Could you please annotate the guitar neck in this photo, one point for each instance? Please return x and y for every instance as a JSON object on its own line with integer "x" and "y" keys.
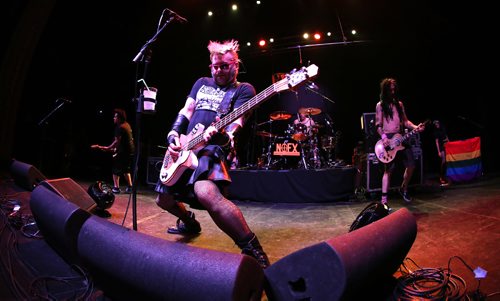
{"x": 237, "y": 113}
{"x": 246, "y": 107}
{"x": 409, "y": 135}
{"x": 413, "y": 132}
{"x": 291, "y": 80}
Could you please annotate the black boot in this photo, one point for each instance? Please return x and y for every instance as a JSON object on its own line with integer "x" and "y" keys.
{"x": 189, "y": 226}
{"x": 253, "y": 248}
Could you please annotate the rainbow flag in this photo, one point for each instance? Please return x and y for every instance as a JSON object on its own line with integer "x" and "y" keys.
{"x": 463, "y": 159}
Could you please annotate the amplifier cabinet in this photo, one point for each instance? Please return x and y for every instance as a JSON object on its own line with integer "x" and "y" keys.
{"x": 374, "y": 170}
{"x": 153, "y": 170}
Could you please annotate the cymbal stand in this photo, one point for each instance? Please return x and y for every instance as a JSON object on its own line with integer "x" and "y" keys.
{"x": 269, "y": 156}
{"x": 303, "y": 156}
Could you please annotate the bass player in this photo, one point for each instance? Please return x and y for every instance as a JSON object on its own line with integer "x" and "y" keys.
{"x": 203, "y": 185}
{"x": 391, "y": 119}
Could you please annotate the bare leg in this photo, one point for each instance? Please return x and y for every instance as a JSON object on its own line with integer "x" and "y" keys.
{"x": 167, "y": 202}
{"x": 128, "y": 179}
{"x": 386, "y": 180}
{"x": 407, "y": 177}
{"x": 116, "y": 181}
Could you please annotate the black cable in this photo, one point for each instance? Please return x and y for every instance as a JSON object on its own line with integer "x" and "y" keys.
{"x": 429, "y": 284}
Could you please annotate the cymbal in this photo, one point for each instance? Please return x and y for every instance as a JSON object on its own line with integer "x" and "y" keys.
{"x": 309, "y": 111}
{"x": 265, "y": 134}
{"x": 280, "y": 115}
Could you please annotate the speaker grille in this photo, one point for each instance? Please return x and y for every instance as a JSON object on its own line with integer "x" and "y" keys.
{"x": 71, "y": 191}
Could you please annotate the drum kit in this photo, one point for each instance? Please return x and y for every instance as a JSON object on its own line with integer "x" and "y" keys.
{"x": 300, "y": 146}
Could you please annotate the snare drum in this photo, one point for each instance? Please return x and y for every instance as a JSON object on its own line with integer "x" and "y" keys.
{"x": 299, "y": 132}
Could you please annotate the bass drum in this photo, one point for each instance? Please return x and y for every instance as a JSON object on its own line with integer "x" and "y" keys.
{"x": 286, "y": 153}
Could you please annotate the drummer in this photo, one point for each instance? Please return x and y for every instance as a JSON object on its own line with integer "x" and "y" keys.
{"x": 306, "y": 120}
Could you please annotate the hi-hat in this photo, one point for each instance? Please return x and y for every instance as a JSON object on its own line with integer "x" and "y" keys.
{"x": 280, "y": 115}
{"x": 309, "y": 111}
{"x": 265, "y": 134}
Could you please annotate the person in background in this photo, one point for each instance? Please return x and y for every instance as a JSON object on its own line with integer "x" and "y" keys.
{"x": 123, "y": 150}
{"x": 205, "y": 186}
{"x": 391, "y": 119}
{"x": 305, "y": 120}
{"x": 441, "y": 137}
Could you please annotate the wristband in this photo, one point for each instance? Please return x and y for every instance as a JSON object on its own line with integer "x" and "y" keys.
{"x": 171, "y": 139}
{"x": 180, "y": 124}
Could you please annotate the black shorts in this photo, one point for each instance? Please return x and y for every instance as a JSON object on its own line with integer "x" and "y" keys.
{"x": 211, "y": 166}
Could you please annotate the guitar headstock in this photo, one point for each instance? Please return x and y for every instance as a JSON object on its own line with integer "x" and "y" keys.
{"x": 296, "y": 78}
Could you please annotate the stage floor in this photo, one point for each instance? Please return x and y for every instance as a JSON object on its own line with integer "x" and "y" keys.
{"x": 459, "y": 220}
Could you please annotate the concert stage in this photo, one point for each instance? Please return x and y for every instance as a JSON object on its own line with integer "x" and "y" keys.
{"x": 294, "y": 185}
{"x": 455, "y": 223}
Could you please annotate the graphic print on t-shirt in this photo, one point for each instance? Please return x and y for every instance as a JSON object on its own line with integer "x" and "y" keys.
{"x": 209, "y": 98}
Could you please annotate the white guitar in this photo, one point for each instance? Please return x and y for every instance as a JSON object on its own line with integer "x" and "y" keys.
{"x": 386, "y": 154}
{"x": 172, "y": 170}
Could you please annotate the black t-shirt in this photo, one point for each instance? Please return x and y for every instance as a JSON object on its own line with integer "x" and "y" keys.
{"x": 209, "y": 95}
{"x": 126, "y": 141}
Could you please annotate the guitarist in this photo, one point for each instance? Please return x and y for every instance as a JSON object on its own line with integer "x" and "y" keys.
{"x": 391, "y": 119}
{"x": 123, "y": 150}
{"x": 203, "y": 187}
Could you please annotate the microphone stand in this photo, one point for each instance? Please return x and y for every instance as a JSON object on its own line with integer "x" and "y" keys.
{"x": 144, "y": 55}
{"x": 44, "y": 119}
{"x": 43, "y": 122}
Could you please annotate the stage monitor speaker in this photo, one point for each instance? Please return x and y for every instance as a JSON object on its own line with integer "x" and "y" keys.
{"x": 348, "y": 267}
{"x": 129, "y": 265}
{"x": 59, "y": 221}
{"x": 71, "y": 191}
{"x": 25, "y": 175}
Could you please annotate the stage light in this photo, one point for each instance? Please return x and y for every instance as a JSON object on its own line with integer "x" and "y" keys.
{"x": 258, "y": 2}
{"x": 262, "y": 43}
{"x": 305, "y": 36}
{"x": 317, "y": 36}
{"x": 234, "y": 7}
{"x": 249, "y": 44}
{"x": 271, "y": 40}
{"x": 329, "y": 34}
{"x": 353, "y": 32}
{"x": 210, "y": 13}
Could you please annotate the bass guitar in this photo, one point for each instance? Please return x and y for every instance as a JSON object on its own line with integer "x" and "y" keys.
{"x": 104, "y": 149}
{"x": 386, "y": 154}
{"x": 172, "y": 170}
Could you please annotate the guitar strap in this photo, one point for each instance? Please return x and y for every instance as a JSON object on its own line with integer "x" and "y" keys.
{"x": 227, "y": 102}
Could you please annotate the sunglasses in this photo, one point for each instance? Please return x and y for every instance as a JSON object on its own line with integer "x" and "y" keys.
{"x": 223, "y": 67}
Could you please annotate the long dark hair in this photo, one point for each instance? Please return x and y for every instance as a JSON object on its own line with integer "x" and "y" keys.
{"x": 122, "y": 116}
{"x": 387, "y": 97}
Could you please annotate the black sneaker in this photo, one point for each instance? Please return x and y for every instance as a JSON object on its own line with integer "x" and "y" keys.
{"x": 128, "y": 189}
{"x": 186, "y": 229}
{"x": 116, "y": 190}
{"x": 405, "y": 195}
{"x": 386, "y": 206}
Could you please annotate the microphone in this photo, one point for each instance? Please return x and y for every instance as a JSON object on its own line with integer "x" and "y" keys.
{"x": 177, "y": 16}
{"x": 65, "y": 100}
{"x": 312, "y": 86}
